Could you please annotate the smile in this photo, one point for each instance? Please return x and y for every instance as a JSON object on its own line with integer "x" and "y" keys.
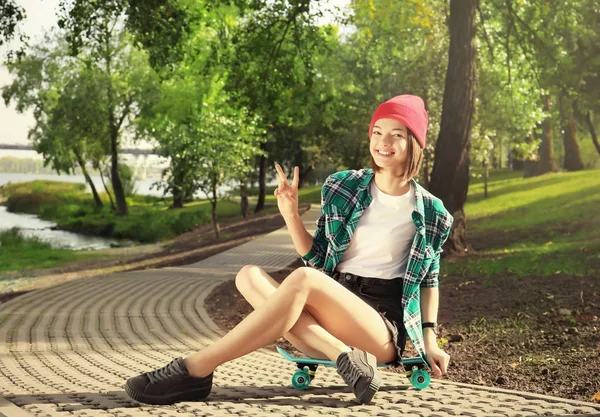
{"x": 385, "y": 153}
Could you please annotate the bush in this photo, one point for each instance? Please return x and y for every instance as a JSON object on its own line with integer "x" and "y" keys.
{"x": 31, "y": 203}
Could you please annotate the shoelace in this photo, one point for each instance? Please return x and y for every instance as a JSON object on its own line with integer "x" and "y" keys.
{"x": 171, "y": 369}
{"x": 349, "y": 371}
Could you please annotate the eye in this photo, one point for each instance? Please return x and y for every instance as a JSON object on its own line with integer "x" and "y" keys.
{"x": 377, "y": 132}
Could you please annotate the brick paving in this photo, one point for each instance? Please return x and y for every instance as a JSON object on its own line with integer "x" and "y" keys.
{"x": 67, "y": 351}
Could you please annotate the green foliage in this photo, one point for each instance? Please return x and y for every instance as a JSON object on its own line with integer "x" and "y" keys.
{"x": 11, "y": 14}
{"x": 159, "y": 26}
{"x": 20, "y": 253}
{"x": 150, "y": 220}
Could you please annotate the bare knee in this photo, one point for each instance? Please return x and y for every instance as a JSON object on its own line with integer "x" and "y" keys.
{"x": 244, "y": 280}
{"x": 301, "y": 280}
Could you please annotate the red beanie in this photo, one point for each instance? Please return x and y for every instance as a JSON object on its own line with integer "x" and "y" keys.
{"x": 407, "y": 109}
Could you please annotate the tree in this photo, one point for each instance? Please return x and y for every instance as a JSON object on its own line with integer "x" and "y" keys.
{"x": 560, "y": 41}
{"x": 208, "y": 142}
{"x": 208, "y": 138}
{"x": 450, "y": 176}
{"x": 159, "y": 26}
{"x": 64, "y": 97}
{"x": 273, "y": 61}
{"x": 124, "y": 70}
{"x": 11, "y": 14}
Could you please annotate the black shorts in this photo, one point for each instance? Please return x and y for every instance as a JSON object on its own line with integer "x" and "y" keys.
{"x": 385, "y": 296}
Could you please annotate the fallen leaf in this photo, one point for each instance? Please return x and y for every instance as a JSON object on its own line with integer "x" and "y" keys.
{"x": 596, "y": 398}
{"x": 549, "y": 243}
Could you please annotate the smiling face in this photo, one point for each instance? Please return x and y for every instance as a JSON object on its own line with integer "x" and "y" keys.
{"x": 395, "y": 149}
{"x": 389, "y": 143}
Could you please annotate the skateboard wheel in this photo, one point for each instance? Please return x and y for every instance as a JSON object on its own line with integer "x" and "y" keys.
{"x": 300, "y": 380}
{"x": 420, "y": 379}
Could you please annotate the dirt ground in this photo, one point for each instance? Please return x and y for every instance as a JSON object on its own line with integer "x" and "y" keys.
{"x": 511, "y": 333}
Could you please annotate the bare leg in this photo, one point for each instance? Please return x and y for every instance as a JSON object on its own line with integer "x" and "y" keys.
{"x": 307, "y": 335}
{"x": 340, "y": 312}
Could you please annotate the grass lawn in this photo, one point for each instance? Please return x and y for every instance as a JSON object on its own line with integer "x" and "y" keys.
{"x": 18, "y": 253}
{"x": 536, "y": 226}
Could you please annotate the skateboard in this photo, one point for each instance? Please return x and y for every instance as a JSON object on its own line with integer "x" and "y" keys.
{"x": 307, "y": 368}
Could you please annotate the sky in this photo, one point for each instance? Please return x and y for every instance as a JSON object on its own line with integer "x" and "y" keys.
{"x": 41, "y": 17}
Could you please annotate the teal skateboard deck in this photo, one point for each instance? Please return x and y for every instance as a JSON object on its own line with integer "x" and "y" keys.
{"x": 307, "y": 368}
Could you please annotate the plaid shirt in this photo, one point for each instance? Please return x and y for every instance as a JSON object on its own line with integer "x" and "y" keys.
{"x": 344, "y": 198}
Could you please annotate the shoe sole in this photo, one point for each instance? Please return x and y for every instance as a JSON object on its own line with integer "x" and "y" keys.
{"x": 375, "y": 383}
{"x": 195, "y": 395}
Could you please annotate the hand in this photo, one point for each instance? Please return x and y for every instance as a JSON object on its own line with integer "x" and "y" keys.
{"x": 438, "y": 359}
{"x": 286, "y": 193}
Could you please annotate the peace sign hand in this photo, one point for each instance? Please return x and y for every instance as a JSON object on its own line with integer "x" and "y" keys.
{"x": 286, "y": 193}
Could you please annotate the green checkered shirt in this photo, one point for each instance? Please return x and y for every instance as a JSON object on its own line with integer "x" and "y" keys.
{"x": 344, "y": 198}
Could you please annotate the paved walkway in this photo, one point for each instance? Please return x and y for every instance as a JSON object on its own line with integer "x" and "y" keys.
{"x": 67, "y": 350}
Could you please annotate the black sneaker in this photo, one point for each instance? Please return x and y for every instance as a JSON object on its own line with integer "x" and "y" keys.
{"x": 359, "y": 370}
{"x": 168, "y": 385}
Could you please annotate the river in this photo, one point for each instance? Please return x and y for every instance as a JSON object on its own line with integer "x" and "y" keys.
{"x": 31, "y": 225}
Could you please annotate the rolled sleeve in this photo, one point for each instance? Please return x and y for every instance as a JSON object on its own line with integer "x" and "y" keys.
{"x": 431, "y": 277}
{"x": 316, "y": 256}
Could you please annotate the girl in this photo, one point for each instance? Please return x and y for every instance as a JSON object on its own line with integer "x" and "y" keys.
{"x": 372, "y": 277}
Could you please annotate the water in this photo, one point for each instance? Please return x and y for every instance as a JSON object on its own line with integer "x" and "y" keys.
{"x": 31, "y": 226}
{"x": 142, "y": 187}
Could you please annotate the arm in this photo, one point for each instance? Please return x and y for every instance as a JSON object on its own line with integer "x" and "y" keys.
{"x": 430, "y": 300}
{"x": 312, "y": 249}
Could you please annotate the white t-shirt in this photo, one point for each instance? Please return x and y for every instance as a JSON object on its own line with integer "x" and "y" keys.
{"x": 381, "y": 243}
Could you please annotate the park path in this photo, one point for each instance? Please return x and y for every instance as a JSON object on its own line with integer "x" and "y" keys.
{"x": 67, "y": 351}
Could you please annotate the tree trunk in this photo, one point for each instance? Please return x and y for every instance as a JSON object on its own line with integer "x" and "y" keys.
{"x": 244, "y": 199}
{"x": 262, "y": 181}
{"x": 112, "y": 203}
{"x": 499, "y": 163}
{"x": 516, "y": 164}
{"x": 546, "y": 163}
{"x": 592, "y": 129}
{"x": 485, "y": 178}
{"x": 114, "y": 135}
{"x": 450, "y": 175}
{"x": 177, "y": 201}
{"x": 213, "y": 203}
{"x": 114, "y": 174}
{"x": 88, "y": 179}
{"x": 179, "y": 193}
{"x": 572, "y": 160}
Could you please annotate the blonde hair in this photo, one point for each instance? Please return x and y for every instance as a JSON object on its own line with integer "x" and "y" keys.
{"x": 414, "y": 158}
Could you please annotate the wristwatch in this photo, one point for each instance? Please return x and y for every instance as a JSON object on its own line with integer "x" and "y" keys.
{"x": 432, "y": 325}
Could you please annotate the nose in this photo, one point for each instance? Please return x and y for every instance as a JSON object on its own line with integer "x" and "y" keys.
{"x": 387, "y": 141}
